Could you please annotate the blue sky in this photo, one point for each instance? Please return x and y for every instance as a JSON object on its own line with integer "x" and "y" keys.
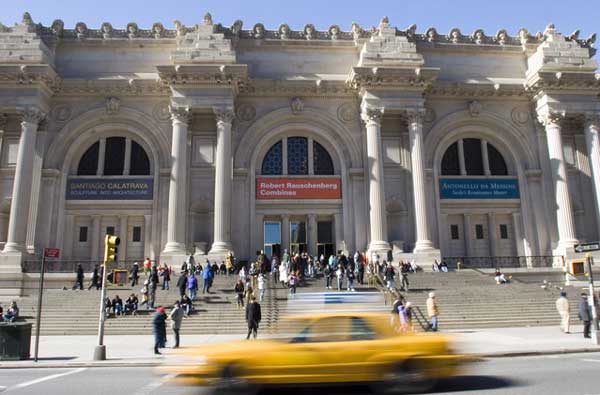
{"x": 443, "y": 15}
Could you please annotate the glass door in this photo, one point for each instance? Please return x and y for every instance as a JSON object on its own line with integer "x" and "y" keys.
{"x": 272, "y": 238}
{"x": 297, "y": 237}
{"x": 325, "y": 245}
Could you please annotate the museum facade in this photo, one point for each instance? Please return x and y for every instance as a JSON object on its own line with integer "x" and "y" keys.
{"x": 209, "y": 139}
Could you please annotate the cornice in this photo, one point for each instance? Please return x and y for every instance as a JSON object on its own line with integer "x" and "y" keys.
{"x": 564, "y": 81}
{"x": 119, "y": 87}
{"x": 305, "y": 88}
{"x": 204, "y": 75}
{"x": 374, "y": 78}
{"x": 470, "y": 90}
{"x": 29, "y": 74}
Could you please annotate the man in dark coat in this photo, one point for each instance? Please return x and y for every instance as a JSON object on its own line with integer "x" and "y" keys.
{"x": 182, "y": 283}
{"x": 135, "y": 274}
{"x": 159, "y": 329}
{"x": 95, "y": 279}
{"x": 253, "y": 317}
{"x": 79, "y": 278}
{"x": 585, "y": 315}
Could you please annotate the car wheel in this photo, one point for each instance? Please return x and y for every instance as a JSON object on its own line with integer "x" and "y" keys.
{"x": 408, "y": 377}
{"x": 231, "y": 384}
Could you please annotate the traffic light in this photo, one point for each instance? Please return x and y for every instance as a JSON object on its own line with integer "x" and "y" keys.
{"x": 110, "y": 248}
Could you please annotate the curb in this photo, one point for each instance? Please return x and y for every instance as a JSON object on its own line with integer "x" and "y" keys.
{"x": 150, "y": 364}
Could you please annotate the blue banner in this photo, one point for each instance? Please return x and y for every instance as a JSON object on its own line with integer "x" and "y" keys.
{"x": 110, "y": 189}
{"x": 478, "y": 188}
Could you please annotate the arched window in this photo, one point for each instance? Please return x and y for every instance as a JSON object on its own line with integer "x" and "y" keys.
{"x": 474, "y": 153}
{"x": 322, "y": 163}
{"x": 122, "y": 156}
{"x": 297, "y": 150}
{"x": 272, "y": 163}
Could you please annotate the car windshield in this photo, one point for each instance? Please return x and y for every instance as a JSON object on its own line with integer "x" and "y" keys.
{"x": 333, "y": 329}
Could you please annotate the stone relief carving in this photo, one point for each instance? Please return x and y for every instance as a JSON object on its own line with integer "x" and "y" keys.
{"x": 455, "y": 35}
{"x": 32, "y": 114}
{"x": 161, "y": 112}
{"x": 524, "y": 36}
{"x": 246, "y": 112}
{"x": 224, "y": 114}
{"x": 207, "y": 21}
{"x": 258, "y": 31}
{"x": 158, "y": 30}
{"x": 475, "y": 108}
{"x": 309, "y": 31}
{"x": 334, "y": 32}
{"x": 132, "y": 30}
{"x": 113, "y": 105}
{"x": 501, "y": 37}
{"x": 431, "y": 34}
{"x": 3, "y": 120}
{"x": 356, "y": 30}
{"x": 81, "y": 30}
{"x": 61, "y": 113}
{"x": 347, "y": 112}
{"x": 58, "y": 27}
{"x": 180, "y": 29}
{"x": 519, "y": 115}
{"x": 478, "y": 36}
{"x": 372, "y": 115}
{"x": 430, "y": 115}
{"x": 180, "y": 114}
{"x": 27, "y": 20}
{"x": 236, "y": 28}
{"x": 297, "y": 105}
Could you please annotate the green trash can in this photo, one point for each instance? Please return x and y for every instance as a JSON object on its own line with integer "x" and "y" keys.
{"x": 15, "y": 341}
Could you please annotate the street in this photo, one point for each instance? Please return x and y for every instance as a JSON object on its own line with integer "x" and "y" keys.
{"x": 558, "y": 374}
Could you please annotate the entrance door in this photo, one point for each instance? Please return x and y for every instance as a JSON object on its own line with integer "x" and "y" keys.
{"x": 325, "y": 245}
{"x": 297, "y": 237}
{"x": 325, "y": 249}
{"x": 272, "y": 239}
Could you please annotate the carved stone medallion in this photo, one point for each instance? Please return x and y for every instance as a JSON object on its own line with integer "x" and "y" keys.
{"x": 347, "y": 112}
{"x": 62, "y": 113}
{"x": 246, "y": 112}
{"x": 430, "y": 115}
{"x": 297, "y": 105}
{"x": 161, "y": 112}
{"x": 519, "y": 115}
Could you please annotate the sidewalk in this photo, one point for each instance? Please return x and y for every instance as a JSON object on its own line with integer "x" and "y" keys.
{"x": 76, "y": 351}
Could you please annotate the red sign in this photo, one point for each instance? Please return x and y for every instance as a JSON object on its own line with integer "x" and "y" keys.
{"x": 298, "y": 188}
{"x": 51, "y": 252}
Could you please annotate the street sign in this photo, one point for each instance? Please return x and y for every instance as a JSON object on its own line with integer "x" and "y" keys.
{"x": 51, "y": 252}
{"x": 587, "y": 247}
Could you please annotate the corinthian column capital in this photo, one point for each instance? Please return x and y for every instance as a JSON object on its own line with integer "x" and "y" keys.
{"x": 592, "y": 119}
{"x": 415, "y": 116}
{"x": 32, "y": 115}
{"x": 224, "y": 114}
{"x": 180, "y": 114}
{"x": 551, "y": 118}
{"x": 372, "y": 115}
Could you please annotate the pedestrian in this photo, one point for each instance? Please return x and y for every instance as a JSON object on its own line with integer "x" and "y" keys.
{"x": 176, "y": 317}
{"x": 283, "y": 273}
{"x": 207, "y": 274}
{"x": 404, "y": 269}
{"x": 389, "y": 276}
{"x": 154, "y": 276}
{"x": 293, "y": 283}
{"x": 151, "y": 293}
{"x": 145, "y": 295}
{"x": 166, "y": 275}
{"x": 261, "y": 287}
{"x": 585, "y": 315}
{"x": 79, "y": 278}
{"x": 253, "y": 317}
{"x": 340, "y": 277}
{"x": 95, "y": 279}
{"x": 147, "y": 264}
{"x": 239, "y": 291}
{"x": 182, "y": 283}
{"x": 135, "y": 276}
{"x": 432, "y": 312}
{"x": 408, "y": 312}
{"x": 327, "y": 274}
{"x": 159, "y": 329}
{"x": 562, "y": 305}
{"x": 350, "y": 280}
{"x": 192, "y": 285}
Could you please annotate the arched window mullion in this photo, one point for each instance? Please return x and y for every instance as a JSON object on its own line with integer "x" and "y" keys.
{"x": 485, "y": 157}
{"x": 101, "y": 154}
{"x": 284, "y": 156}
{"x": 311, "y": 156}
{"x": 127, "y": 163}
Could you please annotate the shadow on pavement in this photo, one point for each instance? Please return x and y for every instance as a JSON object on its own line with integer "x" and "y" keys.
{"x": 475, "y": 383}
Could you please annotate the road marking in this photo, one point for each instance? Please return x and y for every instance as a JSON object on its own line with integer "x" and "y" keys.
{"x": 2, "y": 388}
{"x": 591, "y": 360}
{"x": 147, "y": 389}
{"x": 46, "y": 378}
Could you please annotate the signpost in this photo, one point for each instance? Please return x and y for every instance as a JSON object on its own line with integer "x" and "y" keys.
{"x": 587, "y": 248}
{"x": 52, "y": 253}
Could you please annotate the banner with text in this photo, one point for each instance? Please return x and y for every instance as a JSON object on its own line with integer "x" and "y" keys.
{"x": 110, "y": 189}
{"x": 456, "y": 188}
{"x": 298, "y": 188}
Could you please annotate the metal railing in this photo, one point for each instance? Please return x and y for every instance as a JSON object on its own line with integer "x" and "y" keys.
{"x": 70, "y": 266}
{"x": 492, "y": 262}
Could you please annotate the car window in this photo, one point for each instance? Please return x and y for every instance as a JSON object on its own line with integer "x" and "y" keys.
{"x": 335, "y": 329}
{"x": 361, "y": 330}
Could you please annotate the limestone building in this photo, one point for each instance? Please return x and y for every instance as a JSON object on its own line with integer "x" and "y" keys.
{"x": 209, "y": 138}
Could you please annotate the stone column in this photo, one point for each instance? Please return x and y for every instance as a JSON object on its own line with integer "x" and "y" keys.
{"x": 564, "y": 210}
{"x": 312, "y": 234}
{"x": 492, "y": 234}
{"x": 148, "y": 243}
{"x": 485, "y": 157}
{"x": 467, "y": 234}
{"x": 461, "y": 158}
{"x": 97, "y": 238}
{"x": 415, "y": 130}
{"x": 178, "y": 184}
{"x": 285, "y": 232}
{"x": 21, "y": 193}
{"x": 223, "y": 182}
{"x": 377, "y": 216}
{"x": 124, "y": 238}
{"x": 592, "y": 140}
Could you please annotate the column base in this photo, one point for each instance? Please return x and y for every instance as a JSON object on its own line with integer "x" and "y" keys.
{"x": 565, "y": 248}
{"x": 219, "y": 251}
{"x": 11, "y": 274}
{"x": 174, "y": 254}
{"x": 13, "y": 248}
{"x": 424, "y": 246}
{"x": 379, "y": 247}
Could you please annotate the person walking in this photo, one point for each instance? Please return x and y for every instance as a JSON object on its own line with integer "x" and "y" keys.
{"x": 404, "y": 269}
{"x": 176, "y": 317}
{"x": 206, "y": 278}
{"x": 389, "y": 276}
{"x": 159, "y": 329}
{"x": 432, "y": 312}
{"x": 340, "y": 277}
{"x": 239, "y": 291}
{"x": 79, "y": 278}
{"x": 261, "y": 287}
{"x": 192, "y": 285}
{"x": 166, "y": 275}
{"x": 95, "y": 279}
{"x": 253, "y": 317}
{"x": 408, "y": 312}
{"x": 151, "y": 293}
{"x": 562, "y": 305}
{"x": 182, "y": 284}
{"x": 135, "y": 274}
{"x": 145, "y": 295}
{"x": 327, "y": 274}
{"x": 585, "y": 315}
{"x": 147, "y": 264}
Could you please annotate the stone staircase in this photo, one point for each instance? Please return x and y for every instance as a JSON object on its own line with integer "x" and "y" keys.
{"x": 467, "y": 300}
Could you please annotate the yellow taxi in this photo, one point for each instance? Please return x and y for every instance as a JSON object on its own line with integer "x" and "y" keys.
{"x": 326, "y": 348}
